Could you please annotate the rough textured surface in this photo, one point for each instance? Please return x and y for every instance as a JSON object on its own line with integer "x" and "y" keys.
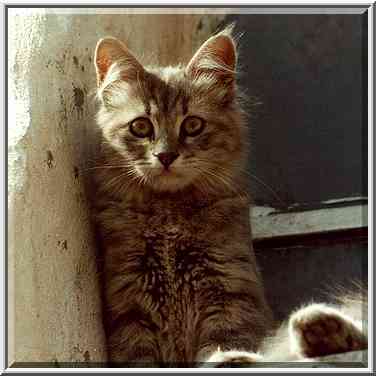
{"x": 54, "y": 294}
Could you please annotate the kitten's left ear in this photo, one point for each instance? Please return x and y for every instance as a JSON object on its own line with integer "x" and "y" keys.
{"x": 217, "y": 56}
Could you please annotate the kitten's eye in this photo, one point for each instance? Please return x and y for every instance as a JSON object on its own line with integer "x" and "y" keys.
{"x": 141, "y": 127}
{"x": 192, "y": 126}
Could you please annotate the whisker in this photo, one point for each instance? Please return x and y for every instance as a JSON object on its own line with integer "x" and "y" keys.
{"x": 105, "y": 167}
{"x": 252, "y": 176}
{"x": 268, "y": 187}
{"x": 115, "y": 179}
{"x": 224, "y": 178}
{"x": 211, "y": 178}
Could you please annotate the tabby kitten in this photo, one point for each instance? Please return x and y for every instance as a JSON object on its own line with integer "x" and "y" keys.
{"x": 179, "y": 269}
{"x": 312, "y": 331}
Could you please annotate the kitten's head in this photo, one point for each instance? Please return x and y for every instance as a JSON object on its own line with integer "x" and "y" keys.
{"x": 173, "y": 127}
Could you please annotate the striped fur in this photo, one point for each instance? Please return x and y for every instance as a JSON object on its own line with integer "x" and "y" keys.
{"x": 179, "y": 270}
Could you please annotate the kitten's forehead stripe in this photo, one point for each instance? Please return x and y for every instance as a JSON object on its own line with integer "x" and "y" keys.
{"x": 175, "y": 98}
{"x": 166, "y": 94}
{"x": 178, "y": 98}
{"x": 165, "y": 99}
{"x": 147, "y": 107}
{"x": 185, "y": 102}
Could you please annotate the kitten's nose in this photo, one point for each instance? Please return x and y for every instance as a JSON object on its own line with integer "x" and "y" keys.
{"x": 167, "y": 158}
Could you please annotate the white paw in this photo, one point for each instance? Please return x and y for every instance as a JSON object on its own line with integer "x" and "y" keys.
{"x": 226, "y": 358}
{"x": 319, "y": 330}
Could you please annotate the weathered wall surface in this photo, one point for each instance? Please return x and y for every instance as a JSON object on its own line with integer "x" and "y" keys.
{"x": 54, "y": 289}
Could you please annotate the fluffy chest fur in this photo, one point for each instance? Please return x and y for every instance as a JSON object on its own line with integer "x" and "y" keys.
{"x": 172, "y": 267}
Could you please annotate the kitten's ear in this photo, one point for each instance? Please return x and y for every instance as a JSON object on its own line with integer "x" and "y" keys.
{"x": 109, "y": 51}
{"x": 216, "y": 56}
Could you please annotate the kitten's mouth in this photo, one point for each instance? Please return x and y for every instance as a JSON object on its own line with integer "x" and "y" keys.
{"x": 168, "y": 179}
{"x": 167, "y": 172}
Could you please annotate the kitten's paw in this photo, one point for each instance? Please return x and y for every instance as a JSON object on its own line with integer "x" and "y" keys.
{"x": 220, "y": 359}
{"x": 319, "y": 330}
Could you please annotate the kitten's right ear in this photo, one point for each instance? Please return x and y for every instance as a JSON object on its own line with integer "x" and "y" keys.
{"x": 217, "y": 57}
{"x": 109, "y": 51}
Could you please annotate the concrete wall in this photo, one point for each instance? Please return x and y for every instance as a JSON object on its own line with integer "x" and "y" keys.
{"x": 54, "y": 290}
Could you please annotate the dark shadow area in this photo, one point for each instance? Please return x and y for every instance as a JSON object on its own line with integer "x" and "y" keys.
{"x": 294, "y": 275}
{"x": 308, "y": 74}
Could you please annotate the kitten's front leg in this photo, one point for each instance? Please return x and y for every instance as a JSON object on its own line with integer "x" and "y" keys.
{"x": 131, "y": 345}
{"x": 229, "y": 341}
{"x": 319, "y": 330}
